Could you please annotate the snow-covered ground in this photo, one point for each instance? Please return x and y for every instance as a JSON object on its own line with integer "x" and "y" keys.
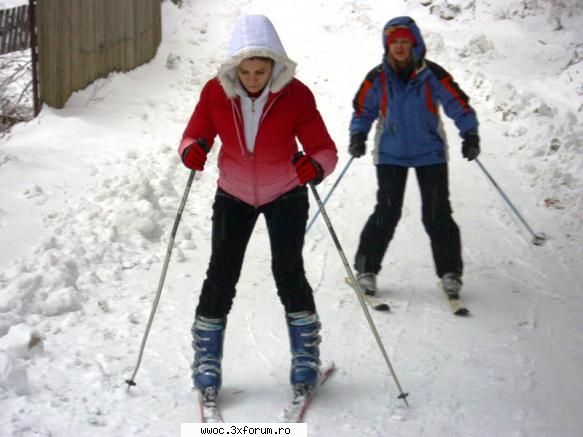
{"x": 88, "y": 195}
{"x": 7, "y": 4}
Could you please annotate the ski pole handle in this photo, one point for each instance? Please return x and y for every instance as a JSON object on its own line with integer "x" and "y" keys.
{"x": 297, "y": 156}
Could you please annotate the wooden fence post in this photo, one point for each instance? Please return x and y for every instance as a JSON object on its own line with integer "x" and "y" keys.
{"x": 34, "y": 54}
{"x": 82, "y": 40}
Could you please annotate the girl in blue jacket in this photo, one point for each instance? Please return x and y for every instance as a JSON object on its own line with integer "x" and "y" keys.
{"x": 404, "y": 95}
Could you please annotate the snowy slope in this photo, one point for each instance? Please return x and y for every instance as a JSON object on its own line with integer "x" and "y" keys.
{"x": 88, "y": 195}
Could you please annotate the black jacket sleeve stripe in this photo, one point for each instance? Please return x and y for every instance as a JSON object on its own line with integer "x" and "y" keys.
{"x": 444, "y": 77}
{"x": 365, "y": 87}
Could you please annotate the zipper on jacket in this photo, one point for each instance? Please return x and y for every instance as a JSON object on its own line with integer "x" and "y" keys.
{"x": 244, "y": 151}
{"x": 237, "y": 113}
{"x": 266, "y": 110}
{"x": 254, "y": 173}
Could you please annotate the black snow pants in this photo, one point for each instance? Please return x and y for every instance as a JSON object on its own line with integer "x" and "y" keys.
{"x": 436, "y": 215}
{"x": 232, "y": 224}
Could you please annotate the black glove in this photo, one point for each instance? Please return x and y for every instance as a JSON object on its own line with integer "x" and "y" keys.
{"x": 357, "y": 146}
{"x": 471, "y": 146}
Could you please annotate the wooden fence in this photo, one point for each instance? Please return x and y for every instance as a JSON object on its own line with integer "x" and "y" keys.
{"x": 82, "y": 40}
{"x": 14, "y": 33}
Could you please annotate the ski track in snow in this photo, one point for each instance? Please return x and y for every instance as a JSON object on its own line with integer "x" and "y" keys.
{"x": 74, "y": 306}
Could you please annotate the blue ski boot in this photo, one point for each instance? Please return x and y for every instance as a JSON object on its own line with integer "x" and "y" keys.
{"x": 207, "y": 341}
{"x": 304, "y": 328}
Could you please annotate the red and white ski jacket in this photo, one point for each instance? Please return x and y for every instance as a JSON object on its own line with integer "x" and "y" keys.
{"x": 262, "y": 176}
{"x": 289, "y": 115}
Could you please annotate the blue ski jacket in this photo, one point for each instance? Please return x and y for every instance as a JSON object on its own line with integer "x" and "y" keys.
{"x": 409, "y": 130}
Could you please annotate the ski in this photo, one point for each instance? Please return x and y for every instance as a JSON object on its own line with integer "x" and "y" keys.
{"x": 209, "y": 408}
{"x": 296, "y": 410}
{"x": 456, "y": 304}
{"x": 369, "y": 300}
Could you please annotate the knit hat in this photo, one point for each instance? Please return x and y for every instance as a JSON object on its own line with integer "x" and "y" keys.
{"x": 394, "y": 33}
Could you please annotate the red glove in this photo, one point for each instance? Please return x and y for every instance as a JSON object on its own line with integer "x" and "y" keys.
{"x": 308, "y": 170}
{"x": 194, "y": 156}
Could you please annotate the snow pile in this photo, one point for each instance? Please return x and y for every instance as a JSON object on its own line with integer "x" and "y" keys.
{"x": 13, "y": 375}
{"x": 21, "y": 343}
{"x": 537, "y": 100}
{"x": 111, "y": 229}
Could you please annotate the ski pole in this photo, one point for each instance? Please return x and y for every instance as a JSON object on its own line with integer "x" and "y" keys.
{"x": 130, "y": 382}
{"x": 330, "y": 192}
{"x": 359, "y": 293}
{"x": 537, "y": 239}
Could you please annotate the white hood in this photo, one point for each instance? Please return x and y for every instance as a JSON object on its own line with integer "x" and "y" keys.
{"x": 254, "y": 35}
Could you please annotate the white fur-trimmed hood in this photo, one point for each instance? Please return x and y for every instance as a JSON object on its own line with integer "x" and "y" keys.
{"x": 254, "y": 35}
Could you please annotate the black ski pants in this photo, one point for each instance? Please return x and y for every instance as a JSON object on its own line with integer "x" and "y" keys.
{"x": 232, "y": 225}
{"x": 436, "y": 215}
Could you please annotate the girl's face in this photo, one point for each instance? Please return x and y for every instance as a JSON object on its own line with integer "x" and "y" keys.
{"x": 400, "y": 50}
{"x": 254, "y": 74}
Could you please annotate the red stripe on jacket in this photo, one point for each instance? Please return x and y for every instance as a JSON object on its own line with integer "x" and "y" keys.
{"x": 364, "y": 89}
{"x": 446, "y": 82}
{"x": 429, "y": 99}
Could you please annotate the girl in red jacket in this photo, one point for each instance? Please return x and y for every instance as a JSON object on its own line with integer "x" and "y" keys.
{"x": 258, "y": 109}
